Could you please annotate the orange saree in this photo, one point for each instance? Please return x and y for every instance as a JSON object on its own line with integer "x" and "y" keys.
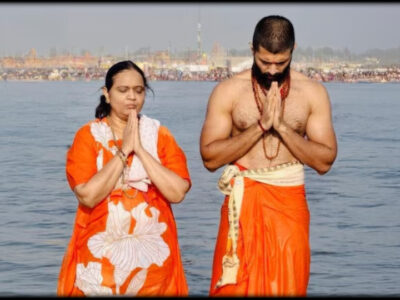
{"x": 122, "y": 246}
{"x": 272, "y": 247}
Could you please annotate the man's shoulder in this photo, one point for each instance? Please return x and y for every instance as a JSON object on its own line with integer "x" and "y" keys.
{"x": 236, "y": 81}
{"x": 233, "y": 85}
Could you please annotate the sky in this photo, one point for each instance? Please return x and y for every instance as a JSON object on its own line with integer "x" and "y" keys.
{"x": 126, "y": 27}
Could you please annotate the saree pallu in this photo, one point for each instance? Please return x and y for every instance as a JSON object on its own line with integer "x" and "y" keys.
{"x": 270, "y": 254}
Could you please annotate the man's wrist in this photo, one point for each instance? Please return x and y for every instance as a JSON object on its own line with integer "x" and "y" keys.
{"x": 261, "y": 126}
{"x": 282, "y": 128}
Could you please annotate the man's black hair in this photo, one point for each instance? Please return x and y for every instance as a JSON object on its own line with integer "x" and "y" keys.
{"x": 274, "y": 33}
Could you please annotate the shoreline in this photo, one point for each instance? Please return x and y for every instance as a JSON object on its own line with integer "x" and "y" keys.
{"x": 194, "y": 80}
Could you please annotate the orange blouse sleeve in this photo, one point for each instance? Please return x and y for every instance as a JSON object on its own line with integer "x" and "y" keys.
{"x": 81, "y": 158}
{"x": 171, "y": 155}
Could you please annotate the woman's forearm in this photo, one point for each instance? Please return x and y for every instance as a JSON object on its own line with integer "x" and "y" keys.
{"x": 101, "y": 184}
{"x": 172, "y": 186}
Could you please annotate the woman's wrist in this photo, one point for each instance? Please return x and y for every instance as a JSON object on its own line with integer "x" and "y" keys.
{"x": 125, "y": 152}
{"x": 122, "y": 157}
{"x": 139, "y": 152}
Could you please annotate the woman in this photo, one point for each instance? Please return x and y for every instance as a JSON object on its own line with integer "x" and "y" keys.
{"x": 125, "y": 169}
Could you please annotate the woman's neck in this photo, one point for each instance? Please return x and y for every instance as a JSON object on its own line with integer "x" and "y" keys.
{"x": 117, "y": 124}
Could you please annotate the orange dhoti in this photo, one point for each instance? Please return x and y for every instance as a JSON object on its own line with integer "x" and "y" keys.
{"x": 269, "y": 255}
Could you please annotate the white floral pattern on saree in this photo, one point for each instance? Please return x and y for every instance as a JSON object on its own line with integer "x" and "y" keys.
{"x": 126, "y": 251}
{"x": 88, "y": 279}
{"x": 102, "y": 134}
{"x": 136, "y": 283}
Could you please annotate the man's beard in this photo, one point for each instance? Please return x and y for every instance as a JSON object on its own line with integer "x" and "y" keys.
{"x": 266, "y": 79}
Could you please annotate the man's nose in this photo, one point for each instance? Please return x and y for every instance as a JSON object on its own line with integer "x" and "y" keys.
{"x": 272, "y": 70}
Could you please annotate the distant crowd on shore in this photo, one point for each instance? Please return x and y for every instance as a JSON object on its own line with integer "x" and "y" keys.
{"x": 391, "y": 74}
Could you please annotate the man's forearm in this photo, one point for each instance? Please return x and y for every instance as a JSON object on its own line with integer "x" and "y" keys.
{"x": 222, "y": 152}
{"x": 317, "y": 156}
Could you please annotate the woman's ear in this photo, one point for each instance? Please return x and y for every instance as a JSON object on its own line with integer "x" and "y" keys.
{"x": 105, "y": 93}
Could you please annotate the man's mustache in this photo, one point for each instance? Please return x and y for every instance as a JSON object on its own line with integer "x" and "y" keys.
{"x": 266, "y": 79}
{"x": 271, "y": 77}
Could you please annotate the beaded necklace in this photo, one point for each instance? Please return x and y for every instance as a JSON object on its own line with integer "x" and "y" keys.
{"x": 284, "y": 93}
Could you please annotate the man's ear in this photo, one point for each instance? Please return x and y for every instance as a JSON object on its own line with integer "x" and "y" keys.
{"x": 251, "y": 47}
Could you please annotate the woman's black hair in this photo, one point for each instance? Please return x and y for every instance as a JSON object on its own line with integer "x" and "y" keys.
{"x": 104, "y": 108}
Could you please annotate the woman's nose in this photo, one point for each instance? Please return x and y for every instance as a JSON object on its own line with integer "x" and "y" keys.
{"x": 131, "y": 94}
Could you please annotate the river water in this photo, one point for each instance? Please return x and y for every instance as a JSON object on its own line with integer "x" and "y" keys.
{"x": 355, "y": 208}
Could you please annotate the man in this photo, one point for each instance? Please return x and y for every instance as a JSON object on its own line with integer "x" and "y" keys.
{"x": 265, "y": 124}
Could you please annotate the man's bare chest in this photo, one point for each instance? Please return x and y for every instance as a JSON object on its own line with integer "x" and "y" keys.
{"x": 295, "y": 113}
